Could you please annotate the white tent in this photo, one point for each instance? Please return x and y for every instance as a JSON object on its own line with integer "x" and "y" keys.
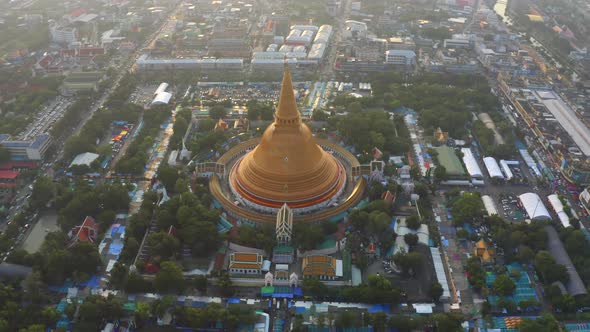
{"x": 162, "y": 98}
{"x": 161, "y": 88}
{"x": 534, "y": 207}
{"x": 471, "y": 164}
{"x": 506, "y": 169}
{"x": 493, "y": 168}
{"x": 558, "y": 208}
{"x": 84, "y": 159}
{"x": 488, "y": 203}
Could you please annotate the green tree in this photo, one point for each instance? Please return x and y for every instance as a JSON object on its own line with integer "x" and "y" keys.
{"x": 467, "y": 208}
{"x": 503, "y": 285}
{"x": 545, "y": 323}
{"x": 319, "y": 115}
{"x": 379, "y": 321}
{"x": 440, "y": 174}
{"x": 43, "y": 192}
{"x": 118, "y": 277}
{"x": 200, "y": 283}
{"x": 168, "y": 175}
{"x": 225, "y": 285}
{"x": 33, "y": 328}
{"x": 411, "y": 239}
{"x": 413, "y": 222}
{"x": 4, "y": 154}
{"x": 137, "y": 284}
{"x": 436, "y": 291}
{"x": 406, "y": 323}
{"x": 548, "y": 269}
{"x": 307, "y": 236}
{"x": 169, "y": 278}
{"x": 314, "y": 286}
{"x": 162, "y": 244}
{"x": 408, "y": 262}
{"x": 447, "y": 322}
{"x": 217, "y": 112}
{"x": 347, "y": 319}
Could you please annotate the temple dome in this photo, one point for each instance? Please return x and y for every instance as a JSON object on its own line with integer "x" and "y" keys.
{"x": 287, "y": 166}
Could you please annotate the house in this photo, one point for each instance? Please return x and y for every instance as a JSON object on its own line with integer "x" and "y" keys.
{"x": 87, "y": 232}
{"x": 221, "y": 125}
{"x": 485, "y": 254}
{"x": 441, "y": 136}
{"x": 9, "y": 181}
{"x": 322, "y": 266}
{"x": 245, "y": 263}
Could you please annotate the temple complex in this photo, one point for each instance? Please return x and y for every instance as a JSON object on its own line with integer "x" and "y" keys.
{"x": 287, "y": 165}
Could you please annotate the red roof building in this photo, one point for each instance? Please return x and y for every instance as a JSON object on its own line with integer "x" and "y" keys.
{"x": 83, "y": 52}
{"x": 8, "y": 178}
{"x": 19, "y": 165}
{"x": 87, "y": 232}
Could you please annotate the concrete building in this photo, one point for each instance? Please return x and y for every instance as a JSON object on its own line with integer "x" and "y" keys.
{"x": 26, "y": 150}
{"x": 82, "y": 82}
{"x": 63, "y": 35}
{"x": 405, "y": 58}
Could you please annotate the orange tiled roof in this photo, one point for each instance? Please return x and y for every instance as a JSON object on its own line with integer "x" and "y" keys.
{"x": 316, "y": 265}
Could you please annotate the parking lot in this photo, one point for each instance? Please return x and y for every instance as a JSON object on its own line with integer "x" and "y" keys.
{"x": 240, "y": 94}
{"x": 510, "y": 206}
{"x": 143, "y": 95}
{"x": 47, "y": 223}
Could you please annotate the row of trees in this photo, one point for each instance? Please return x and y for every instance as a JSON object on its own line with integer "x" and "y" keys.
{"x": 366, "y": 130}
{"x": 181, "y": 124}
{"x": 208, "y": 317}
{"x": 440, "y": 100}
{"x": 18, "y": 114}
{"x": 96, "y": 128}
{"x": 25, "y": 306}
{"x": 378, "y": 289}
{"x": 56, "y": 263}
{"x": 71, "y": 117}
{"x": 101, "y": 202}
{"x": 381, "y": 322}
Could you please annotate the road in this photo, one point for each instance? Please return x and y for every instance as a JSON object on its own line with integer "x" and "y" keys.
{"x": 327, "y": 72}
{"x": 127, "y": 67}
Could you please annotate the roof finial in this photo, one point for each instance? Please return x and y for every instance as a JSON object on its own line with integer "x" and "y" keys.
{"x": 287, "y": 112}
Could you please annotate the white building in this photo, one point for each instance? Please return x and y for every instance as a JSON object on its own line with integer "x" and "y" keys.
{"x": 400, "y": 58}
{"x": 489, "y": 205}
{"x": 26, "y": 150}
{"x": 507, "y": 171}
{"x": 457, "y": 43}
{"x": 356, "y": 28}
{"x": 471, "y": 164}
{"x": 493, "y": 168}
{"x": 64, "y": 35}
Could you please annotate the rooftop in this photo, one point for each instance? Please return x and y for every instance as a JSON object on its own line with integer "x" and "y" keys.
{"x": 448, "y": 159}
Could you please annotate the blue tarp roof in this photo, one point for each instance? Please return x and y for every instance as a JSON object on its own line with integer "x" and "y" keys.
{"x": 380, "y": 308}
{"x": 93, "y": 282}
{"x": 115, "y": 248}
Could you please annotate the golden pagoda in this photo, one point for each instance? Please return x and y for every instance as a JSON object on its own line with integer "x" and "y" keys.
{"x": 287, "y": 166}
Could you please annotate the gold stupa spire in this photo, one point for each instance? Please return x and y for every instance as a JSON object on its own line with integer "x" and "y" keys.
{"x": 287, "y": 112}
